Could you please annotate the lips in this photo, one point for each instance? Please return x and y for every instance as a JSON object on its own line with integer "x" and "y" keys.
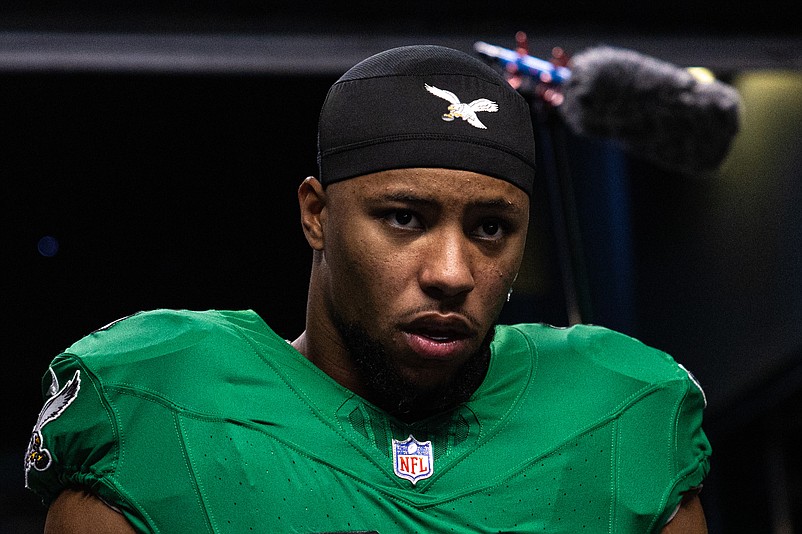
{"x": 437, "y": 337}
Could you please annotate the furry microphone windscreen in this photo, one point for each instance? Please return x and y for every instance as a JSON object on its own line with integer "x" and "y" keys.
{"x": 656, "y": 110}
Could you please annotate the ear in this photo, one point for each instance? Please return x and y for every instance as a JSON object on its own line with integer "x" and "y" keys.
{"x": 312, "y": 201}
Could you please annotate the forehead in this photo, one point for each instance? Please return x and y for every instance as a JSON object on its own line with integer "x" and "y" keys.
{"x": 439, "y": 186}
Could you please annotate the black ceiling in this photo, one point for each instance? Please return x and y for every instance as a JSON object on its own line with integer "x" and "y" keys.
{"x": 445, "y": 16}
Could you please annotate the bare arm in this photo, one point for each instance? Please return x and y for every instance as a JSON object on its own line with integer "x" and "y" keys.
{"x": 690, "y": 518}
{"x": 79, "y": 512}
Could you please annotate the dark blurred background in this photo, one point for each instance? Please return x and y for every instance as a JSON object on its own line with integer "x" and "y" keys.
{"x": 150, "y": 153}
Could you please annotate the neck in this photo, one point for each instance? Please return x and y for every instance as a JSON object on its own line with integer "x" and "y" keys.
{"x": 375, "y": 381}
{"x": 321, "y": 344}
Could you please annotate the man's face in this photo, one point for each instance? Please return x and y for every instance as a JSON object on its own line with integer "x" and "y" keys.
{"x": 419, "y": 262}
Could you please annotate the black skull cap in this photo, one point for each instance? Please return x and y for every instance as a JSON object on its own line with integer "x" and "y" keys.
{"x": 425, "y": 106}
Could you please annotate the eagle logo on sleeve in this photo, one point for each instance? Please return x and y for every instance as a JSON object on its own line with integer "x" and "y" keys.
{"x": 466, "y": 112}
{"x": 37, "y": 456}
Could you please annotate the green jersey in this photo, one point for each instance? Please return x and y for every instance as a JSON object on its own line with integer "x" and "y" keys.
{"x": 210, "y": 422}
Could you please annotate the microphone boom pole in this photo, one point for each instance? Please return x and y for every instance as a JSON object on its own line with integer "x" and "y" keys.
{"x": 553, "y": 167}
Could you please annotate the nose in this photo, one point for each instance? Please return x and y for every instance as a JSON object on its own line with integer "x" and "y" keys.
{"x": 446, "y": 267}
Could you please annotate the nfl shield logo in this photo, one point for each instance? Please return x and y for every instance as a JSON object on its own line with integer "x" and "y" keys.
{"x": 412, "y": 459}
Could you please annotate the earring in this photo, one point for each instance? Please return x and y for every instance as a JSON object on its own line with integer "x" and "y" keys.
{"x": 509, "y": 294}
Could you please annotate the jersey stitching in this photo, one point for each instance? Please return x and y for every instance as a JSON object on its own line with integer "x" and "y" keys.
{"x": 258, "y": 427}
{"x": 676, "y": 476}
{"x": 614, "y": 460}
{"x": 306, "y": 400}
{"x": 613, "y": 475}
{"x": 505, "y": 419}
{"x": 199, "y": 492}
{"x": 153, "y": 396}
{"x": 335, "y": 428}
{"x": 339, "y": 431}
{"x": 108, "y": 407}
{"x": 119, "y": 449}
{"x": 148, "y": 394}
{"x": 675, "y": 429}
{"x": 389, "y": 494}
{"x": 611, "y": 416}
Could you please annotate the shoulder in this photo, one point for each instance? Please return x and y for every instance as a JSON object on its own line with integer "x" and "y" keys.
{"x": 159, "y": 329}
{"x": 159, "y": 350}
{"x": 149, "y": 334}
{"x": 596, "y": 347}
{"x": 589, "y": 378}
{"x": 125, "y": 384}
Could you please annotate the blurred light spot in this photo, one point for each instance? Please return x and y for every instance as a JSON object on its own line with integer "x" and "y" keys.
{"x": 48, "y": 246}
{"x": 702, "y": 74}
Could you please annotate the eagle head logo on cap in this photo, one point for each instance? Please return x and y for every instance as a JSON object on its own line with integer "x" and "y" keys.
{"x": 466, "y": 112}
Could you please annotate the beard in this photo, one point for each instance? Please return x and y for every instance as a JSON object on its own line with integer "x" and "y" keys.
{"x": 389, "y": 390}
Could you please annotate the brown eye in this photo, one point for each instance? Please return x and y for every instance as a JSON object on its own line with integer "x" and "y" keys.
{"x": 491, "y": 228}
{"x": 403, "y": 218}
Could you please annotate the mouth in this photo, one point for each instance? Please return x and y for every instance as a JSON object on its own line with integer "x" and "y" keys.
{"x": 438, "y": 337}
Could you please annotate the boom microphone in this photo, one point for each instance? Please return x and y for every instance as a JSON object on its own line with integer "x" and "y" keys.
{"x": 653, "y": 109}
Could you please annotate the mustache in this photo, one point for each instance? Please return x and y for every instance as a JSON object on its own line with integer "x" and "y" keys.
{"x": 414, "y": 314}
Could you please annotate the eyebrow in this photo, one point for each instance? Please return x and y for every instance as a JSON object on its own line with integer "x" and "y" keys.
{"x": 488, "y": 204}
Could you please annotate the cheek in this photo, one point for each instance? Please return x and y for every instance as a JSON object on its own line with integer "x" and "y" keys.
{"x": 495, "y": 284}
{"x": 364, "y": 276}
{"x": 512, "y": 264}
{"x": 497, "y": 278}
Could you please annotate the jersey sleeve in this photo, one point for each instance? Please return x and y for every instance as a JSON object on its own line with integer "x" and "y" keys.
{"x": 74, "y": 441}
{"x": 660, "y": 450}
{"x": 666, "y": 452}
{"x": 692, "y": 450}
